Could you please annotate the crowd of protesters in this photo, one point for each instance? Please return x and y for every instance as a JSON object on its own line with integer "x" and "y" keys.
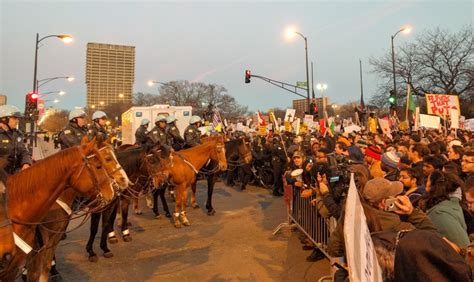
{"x": 413, "y": 185}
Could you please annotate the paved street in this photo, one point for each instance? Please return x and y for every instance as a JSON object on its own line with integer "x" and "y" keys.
{"x": 236, "y": 244}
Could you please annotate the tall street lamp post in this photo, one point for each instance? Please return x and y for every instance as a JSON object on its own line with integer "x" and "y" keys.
{"x": 174, "y": 87}
{"x": 290, "y": 33}
{"x": 406, "y": 29}
{"x": 322, "y": 87}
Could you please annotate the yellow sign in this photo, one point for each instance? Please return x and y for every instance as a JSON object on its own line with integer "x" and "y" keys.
{"x": 287, "y": 126}
{"x": 262, "y": 130}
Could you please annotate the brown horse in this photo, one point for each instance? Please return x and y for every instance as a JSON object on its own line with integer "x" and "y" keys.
{"x": 7, "y": 243}
{"x": 33, "y": 191}
{"x": 184, "y": 166}
{"x": 52, "y": 231}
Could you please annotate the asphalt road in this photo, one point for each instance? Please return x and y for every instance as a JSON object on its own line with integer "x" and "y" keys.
{"x": 236, "y": 244}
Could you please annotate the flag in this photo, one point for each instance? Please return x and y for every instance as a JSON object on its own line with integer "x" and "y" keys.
{"x": 261, "y": 120}
{"x": 322, "y": 126}
{"x": 332, "y": 124}
{"x": 216, "y": 121}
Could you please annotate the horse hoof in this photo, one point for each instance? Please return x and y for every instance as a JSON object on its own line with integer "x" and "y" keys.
{"x": 211, "y": 212}
{"x": 158, "y": 216}
{"x": 127, "y": 238}
{"x": 177, "y": 225}
{"x": 168, "y": 215}
{"x": 138, "y": 212}
{"x": 93, "y": 258}
{"x": 108, "y": 255}
{"x": 113, "y": 240}
{"x": 196, "y": 206}
{"x": 186, "y": 223}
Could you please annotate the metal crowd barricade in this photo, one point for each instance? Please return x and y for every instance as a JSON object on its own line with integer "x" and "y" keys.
{"x": 303, "y": 215}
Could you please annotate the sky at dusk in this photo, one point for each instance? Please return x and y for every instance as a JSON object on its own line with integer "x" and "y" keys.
{"x": 215, "y": 42}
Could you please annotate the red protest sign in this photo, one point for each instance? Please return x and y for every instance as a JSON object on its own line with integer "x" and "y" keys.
{"x": 440, "y": 104}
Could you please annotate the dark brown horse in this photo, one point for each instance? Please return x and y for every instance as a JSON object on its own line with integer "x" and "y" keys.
{"x": 32, "y": 192}
{"x": 184, "y": 166}
{"x": 237, "y": 153}
{"x": 52, "y": 231}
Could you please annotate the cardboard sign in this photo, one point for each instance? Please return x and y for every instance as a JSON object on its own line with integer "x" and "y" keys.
{"x": 454, "y": 114}
{"x": 262, "y": 130}
{"x": 439, "y": 104}
{"x": 290, "y": 115}
{"x": 361, "y": 256}
{"x": 296, "y": 126}
{"x": 430, "y": 121}
{"x": 240, "y": 127}
{"x": 417, "y": 119}
{"x": 385, "y": 126}
{"x": 469, "y": 124}
{"x": 287, "y": 126}
{"x": 308, "y": 120}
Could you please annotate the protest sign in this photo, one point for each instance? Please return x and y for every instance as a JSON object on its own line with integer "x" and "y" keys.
{"x": 360, "y": 251}
{"x": 417, "y": 118}
{"x": 308, "y": 120}
{"x": 439, "y": 104}
{"x": 454, "y": 115}
{"x": 430, "y": 121}
{"x": 290, "y": 115}
{"x": 262, "y": 130}
{"x": 469, "y": 124}
{"x": 296, "y": 126}
{"x": 239, "y": 127}
{"x": 385, "y": 126}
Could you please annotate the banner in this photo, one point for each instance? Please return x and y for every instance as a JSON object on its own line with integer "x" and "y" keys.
{"x": 430, "y": 121}
{"x": 439, "y": 104}
{"x": 360, "y": 251}
{"x": 454, "y": 114}
{"x": 290, "y": 115}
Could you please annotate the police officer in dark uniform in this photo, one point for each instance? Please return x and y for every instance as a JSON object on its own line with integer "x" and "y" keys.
{"x": 11, "y": 142}
{"x": 192, "y": 135}
{"x": 141, "y": 135}
{"x": 75, "y": 130}
{"x": 97, "y": 128}
{"x": 174, "y": 137}
{"x": 158, "y": 136}
{"x": 279, "y": 161}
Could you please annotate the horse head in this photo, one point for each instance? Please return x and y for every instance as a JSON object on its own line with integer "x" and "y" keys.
{"x": 112, "y": 166}
{"x": 92, "y": 179}
{"x": 244, "y": 150}
{"x": 220, "y": 152}
{"x": 158, "y": 165}
{"x": 7, "y": 243}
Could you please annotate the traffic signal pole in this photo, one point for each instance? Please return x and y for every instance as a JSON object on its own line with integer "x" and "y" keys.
{"x": 288, "y": 87}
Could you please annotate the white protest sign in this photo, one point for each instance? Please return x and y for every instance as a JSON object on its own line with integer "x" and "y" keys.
{"x": 239, "y": 127}
{"x": 429, "y": 121}
{"x": 352, "y": 128}
{"x": 308, "y": 120}
{"x": 385, "y": 126}
{"x": 296, "y": 126}
{"x": 454, "y": 114}
{"x": 360, "y": 251}
{"x": 290, "y": 115}
{"x": 469, "y": 124}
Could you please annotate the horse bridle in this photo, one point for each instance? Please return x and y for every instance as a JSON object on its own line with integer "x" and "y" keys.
{"x": 115, "y": 185}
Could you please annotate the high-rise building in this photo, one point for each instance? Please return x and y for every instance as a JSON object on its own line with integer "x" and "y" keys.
{"x": 110, "y": 74}
{"x": 301, "y": 105}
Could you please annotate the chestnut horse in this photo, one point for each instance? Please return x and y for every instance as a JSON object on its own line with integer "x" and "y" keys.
{"x": 237, "y": 153}
{"x": 52, "y": 231}
{"x": 7, "y": 243}
{"x": 184, "y": 166}
{"x": 33, "y": 191}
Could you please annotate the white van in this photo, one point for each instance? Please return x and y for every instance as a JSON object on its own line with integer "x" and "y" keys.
{"x": 131, "y": 119}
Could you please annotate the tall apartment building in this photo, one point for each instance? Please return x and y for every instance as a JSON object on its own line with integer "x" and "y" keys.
{"x": 301, "y": 105}
{"x": 110, "y": 74}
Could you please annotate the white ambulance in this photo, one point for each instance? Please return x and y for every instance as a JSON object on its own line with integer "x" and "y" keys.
{"x": 131, "y": 119}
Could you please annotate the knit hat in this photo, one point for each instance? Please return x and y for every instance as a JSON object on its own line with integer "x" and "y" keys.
{"x": 391, "y": 159}
{"x": 373, "y": 152}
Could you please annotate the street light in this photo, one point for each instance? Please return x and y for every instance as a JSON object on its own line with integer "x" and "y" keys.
{"x": 42, "y": 82}
{"x": 60, "y": 93}
{"x": 290, "y": 32}
{"x": 406, "y": 30}
{"x": 322, "y": 87}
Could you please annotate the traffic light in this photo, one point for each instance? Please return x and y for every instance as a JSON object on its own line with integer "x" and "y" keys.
{"x": 31, "y": 104}
{"x": 248, "y": 75}
{"x": 392, "y": 99}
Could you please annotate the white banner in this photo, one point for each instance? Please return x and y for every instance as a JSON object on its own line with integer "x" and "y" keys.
{"x": 430, "y": 121}
{"x": 290, "y": 115}
{"x": 360, "y": 251}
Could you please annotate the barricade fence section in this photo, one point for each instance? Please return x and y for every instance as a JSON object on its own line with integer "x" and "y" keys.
{"x": 308, "y": 220}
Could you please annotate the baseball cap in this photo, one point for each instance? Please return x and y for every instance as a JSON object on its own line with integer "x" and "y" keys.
{"x": 377, "y": 189}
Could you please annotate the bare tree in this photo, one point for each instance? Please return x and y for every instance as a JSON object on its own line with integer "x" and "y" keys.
{"x": 56, "y": 121}
{"x": 436, "y": 62}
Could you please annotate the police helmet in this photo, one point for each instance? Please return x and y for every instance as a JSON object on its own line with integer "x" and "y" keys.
{"x": 160, "y": 118}
{"x": 98, "y": 115}
{"x": 145, "y": 121}
{"x": 194, "y": 119}
{"x": 170, "y": 119}
{"x": 9, "y": 111}
{"x": 77, "y": 113}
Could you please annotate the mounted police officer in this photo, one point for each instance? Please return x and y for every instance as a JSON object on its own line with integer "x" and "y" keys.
{"x": 11, "y": 142}
{"x": 174, "y": 137}
{"x": 141, "y": 135}
{"x": 158, "y": 136}
{"x": 97, "y": 128}
{"x": 75, "y": 130}
{"x": 192, "y": 135}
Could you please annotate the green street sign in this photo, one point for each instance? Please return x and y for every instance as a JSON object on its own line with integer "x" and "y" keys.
{"x": 302, "y": 84}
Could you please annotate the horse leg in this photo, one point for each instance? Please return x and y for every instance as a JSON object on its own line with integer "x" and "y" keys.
{"x": 112, "y": 216}
{"x": 136, "y": 208}
{"x": 211, "y": 180}
{"x": 108, "y": 218}
{"x": 125, "y": 230}
{"x": 177, "y": 206}
{"x": 163, "y": 201}
{"x": 95, "y": 218}
{"x": 184, "y": 220}
{"x": 193, "y": 196}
